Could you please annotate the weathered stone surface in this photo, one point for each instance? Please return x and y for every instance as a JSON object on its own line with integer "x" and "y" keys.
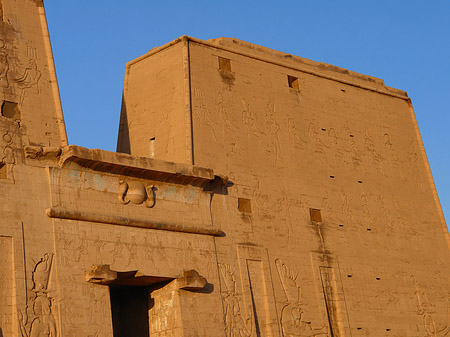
{"x": 254, "y": 193}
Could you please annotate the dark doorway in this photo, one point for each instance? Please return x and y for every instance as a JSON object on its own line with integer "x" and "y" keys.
{"x": 129, "y": 309}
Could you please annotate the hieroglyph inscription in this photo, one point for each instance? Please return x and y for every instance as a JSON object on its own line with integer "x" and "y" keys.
{"x": 292, "y": 321}
{"x": 238, "y": 322}
{"x": 7, "y": 155}
{"x": 37, "y": 319}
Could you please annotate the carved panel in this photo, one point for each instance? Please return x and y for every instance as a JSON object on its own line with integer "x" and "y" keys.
{"x": 330, "y": 291}
{"x": 37, "y": 319}
{"x": 427, "y": 311}
{"x": 239, "y": 320}
{"x": 257, "y": 289}
{"x": 292, "y": 319}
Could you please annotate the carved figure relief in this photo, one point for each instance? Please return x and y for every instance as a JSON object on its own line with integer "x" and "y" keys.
{"x": 426, "y": 310}
{"x": 136, "y": 193}
{"x": 298, "y": 141}
{"x": 371, "y": 150}
{"x": 237, "y": 323}
{"x": 292, "y": 321}
{"x": 249, "y": 119}
{"x": 319, "y": 153}
{"x": 37, "y": 320}
{"x": 204, "y": 115}
{"x": 4, "y": 64}
{"x": 29, "y": 79}
{"x": 222, "y": 109}
{"x": 273, "y": 148}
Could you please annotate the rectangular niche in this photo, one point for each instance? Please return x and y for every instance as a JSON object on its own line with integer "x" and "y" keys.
{"x": 3, "y": 171}
{"x": 224, "y": 64}
{"x": 293, "y": 82}
{"x": 11, "y": 110}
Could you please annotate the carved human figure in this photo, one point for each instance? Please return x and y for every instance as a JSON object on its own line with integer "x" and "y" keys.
{"x": 235, "y": 324}
{"x": 4, "y": 67}
{"x": 225, "y": 117}
{"x": 249, "y": 119}
{"x": 132, "y": 250}
{"x": 425, "y": 309}
{"x": 29, "y": 79}
{"x": 44, "y": 324}
{"x": 298, "y": 141}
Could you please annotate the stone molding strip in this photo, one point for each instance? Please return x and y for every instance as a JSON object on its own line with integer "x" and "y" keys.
{"x": 61, "y": 213}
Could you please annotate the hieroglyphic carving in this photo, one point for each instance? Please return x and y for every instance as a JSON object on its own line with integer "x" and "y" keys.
{"x": 273, "y": 147}
{"x": 426, "y": 310}
{"x": 37, "y": 320}
{"x": 235, "y": 323}
{"x": 7, "y": 156}
{"x": 292, "y": 322}
{"x": 136, "y": 193}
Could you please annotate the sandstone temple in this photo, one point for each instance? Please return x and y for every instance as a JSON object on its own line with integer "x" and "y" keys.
{"x": 253, "y": 193}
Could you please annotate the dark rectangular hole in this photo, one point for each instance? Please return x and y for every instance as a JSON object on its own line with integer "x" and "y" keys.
{"x": 152, "y": 147}
{"x": 3, "y": 171}
{"x": 244, "y": 205}
{"x": 129, "y": 311}
{"x": 11, "y": 110}
{"x": 293, "y": 82}
{"x": 315, "y": 215}
{"x": 224, "y": 64}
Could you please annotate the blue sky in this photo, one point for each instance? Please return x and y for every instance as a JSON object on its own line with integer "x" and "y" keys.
{"x": 406, "y": 43}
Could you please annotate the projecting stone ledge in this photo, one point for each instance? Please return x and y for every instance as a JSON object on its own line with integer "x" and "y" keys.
{"x": 125, "y": 164}
{"x": 103, "y": 275}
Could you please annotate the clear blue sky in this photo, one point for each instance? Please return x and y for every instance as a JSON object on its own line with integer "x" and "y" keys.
{"x": 404, "y": 42}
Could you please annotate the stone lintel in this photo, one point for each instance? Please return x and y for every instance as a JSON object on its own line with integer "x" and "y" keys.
{"x": 125, "y": 164}
{"x": 103, "y": 275}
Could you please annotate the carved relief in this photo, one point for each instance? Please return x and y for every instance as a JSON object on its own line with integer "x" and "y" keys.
{"x": 426, "y": 310}
{"x": 249, "y": 119}
{"x": 224, "y": 115}
{"x": 292, "y": 321}
{"x": 298, "y": 140}
{"x": 136, "y": 193}
{"x": 371, "y": 150}
{"x": 237, "y": 323}
{"x": 4, "y": 64}
{"x": 7, "y": 155}
{"x": 37, "y": 320}
{"x": 273, "y": 148}
{"x": 30, "y": 76}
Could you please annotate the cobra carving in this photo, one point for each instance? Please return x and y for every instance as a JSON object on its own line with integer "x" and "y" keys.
{"x": 136, "y": 193}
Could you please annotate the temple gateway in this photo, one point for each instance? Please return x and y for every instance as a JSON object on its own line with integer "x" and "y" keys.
{"x": 253, "y": 193}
